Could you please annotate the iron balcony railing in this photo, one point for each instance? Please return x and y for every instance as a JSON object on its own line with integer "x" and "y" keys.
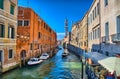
{"x": 115, "y": 37}
{"x": 105, "y": 39}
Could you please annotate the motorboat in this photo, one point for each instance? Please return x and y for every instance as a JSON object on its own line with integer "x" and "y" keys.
{"x": 34, "y": 61}
{"x": 64, "y": 54}
{"x": 44, "y": 56}
{"x": 60, "y": 48}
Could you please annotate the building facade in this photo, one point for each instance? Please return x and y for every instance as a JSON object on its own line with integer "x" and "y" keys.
{"x": 110, "y": 27}
{"x": 74, "y": 34}
{"x": 83, "y": 34}
{"x": 8, "y": 31}
{"x": 34, "y": 36}
{"x": 94, "y": 27}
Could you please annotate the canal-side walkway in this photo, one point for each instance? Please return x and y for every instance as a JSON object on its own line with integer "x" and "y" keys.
{"x": 53, "y": 68}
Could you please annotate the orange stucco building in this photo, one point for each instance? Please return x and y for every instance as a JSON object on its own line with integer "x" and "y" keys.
{"x": 34, "y": 36}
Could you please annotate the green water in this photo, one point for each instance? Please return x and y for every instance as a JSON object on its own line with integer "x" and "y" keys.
{"x": 54, "y": 68}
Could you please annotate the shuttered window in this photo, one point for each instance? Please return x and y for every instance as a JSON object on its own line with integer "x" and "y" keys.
{"x": 2, "y": 30}
{"x": 12, "y": 9}
{"x": 1, "y": 4}
{"x": 10, "y": 53}
{"x": 11, "y": 32}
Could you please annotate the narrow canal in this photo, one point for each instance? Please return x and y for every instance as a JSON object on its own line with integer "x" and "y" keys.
{"x": 54, "y": 68}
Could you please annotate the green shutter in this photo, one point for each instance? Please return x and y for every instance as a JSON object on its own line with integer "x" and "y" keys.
{"x": 3, "y": 30}
{"x": 1, "y": 4}
{"x": 12, "y": 35}
{"x": 12, "y": 9}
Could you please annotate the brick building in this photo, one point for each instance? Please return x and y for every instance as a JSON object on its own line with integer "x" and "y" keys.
{"x": 34, "y": 36}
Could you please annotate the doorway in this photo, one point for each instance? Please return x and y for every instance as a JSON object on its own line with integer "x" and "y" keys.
{"x": 1, "y": 57}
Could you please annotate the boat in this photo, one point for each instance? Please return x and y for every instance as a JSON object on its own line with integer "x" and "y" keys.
{"x": 34, "y": 61}
{"x": 64, "y": 54}
{"x": 44, "y": 56}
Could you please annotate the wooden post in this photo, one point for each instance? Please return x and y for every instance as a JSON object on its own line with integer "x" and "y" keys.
{"x": 20, "y": 65}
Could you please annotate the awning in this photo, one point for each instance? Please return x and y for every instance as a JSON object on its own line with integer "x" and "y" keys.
{"x": 111, "y": 64}
{"x": 95, "y": 56}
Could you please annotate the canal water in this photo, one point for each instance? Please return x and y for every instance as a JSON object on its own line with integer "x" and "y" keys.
{"x": 53, "y": 68}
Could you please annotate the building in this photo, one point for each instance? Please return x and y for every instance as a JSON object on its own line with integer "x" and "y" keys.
{"x": 34, "y": 36}
{"x": 94, "y": 27}
{"x": 83, "y": 33}
{"x": 110, "y": 27}
{"x": 8, "y": 31}
{"x": 74, "y": 35}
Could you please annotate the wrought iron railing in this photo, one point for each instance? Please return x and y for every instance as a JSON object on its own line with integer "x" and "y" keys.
{"x": 105, "y": 39}
{"x": 115, "y": 37}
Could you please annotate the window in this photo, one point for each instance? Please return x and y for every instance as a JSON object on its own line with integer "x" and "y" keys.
{"x": 91, "y": 17}
{"x": 10, "y": 53}
{"x": 106, "y": 2}
{"x": 98, "y": 32}
{"x": 98, "y": 8}
{"x": 95, "y": 33}
{"x": 26, "y": 23}
{"x": 118, "y": 24}
{"x": 91, "y": 35}
{"x": 39, "y": 34}
{"x": 95, "y": 12}
{"x": 2, "y": 30}
{"x": 1, "y": 4}
{"x": 12, "y": 9}
{"x": 107, "y": 31}
{"x": 1, "y": 53}
{"x": 20, "y": 22}
{"x": 11, "y": 32}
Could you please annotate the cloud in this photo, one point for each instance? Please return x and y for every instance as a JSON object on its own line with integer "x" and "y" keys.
{"x": 60, "y": 33}
{"x": 60, "y": 36}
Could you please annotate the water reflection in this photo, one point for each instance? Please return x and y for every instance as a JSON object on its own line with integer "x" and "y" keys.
{"x": 54, "y": 68}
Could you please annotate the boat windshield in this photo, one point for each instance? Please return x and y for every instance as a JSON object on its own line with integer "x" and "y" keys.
{"x": 33, "y": 59}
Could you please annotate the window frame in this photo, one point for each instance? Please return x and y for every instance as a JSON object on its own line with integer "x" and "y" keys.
{"x": 2, "y": 6}
{"x": 9, "y": 54}
{"x": 21, "y": 23}
{"x": 2, "y": 30}
{"x": 11, "y": 34}
{"x": 12, "y": 9}
{"x": 27, "y": 23}
{"x": 105, "y": 3}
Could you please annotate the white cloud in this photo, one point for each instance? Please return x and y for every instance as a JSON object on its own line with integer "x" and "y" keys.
{"x": 60, "y": 36}
{"x": 61, "y": 33}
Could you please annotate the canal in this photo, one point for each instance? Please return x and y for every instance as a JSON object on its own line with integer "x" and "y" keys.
{"x": 53, "y": 68}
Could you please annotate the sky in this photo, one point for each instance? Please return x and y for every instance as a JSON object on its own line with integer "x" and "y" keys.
{"x": 54, "y": 12}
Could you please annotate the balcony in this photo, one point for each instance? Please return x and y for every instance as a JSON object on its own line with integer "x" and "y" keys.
{"x": 105, "y": 39}
{"x": 115, "y": 38}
